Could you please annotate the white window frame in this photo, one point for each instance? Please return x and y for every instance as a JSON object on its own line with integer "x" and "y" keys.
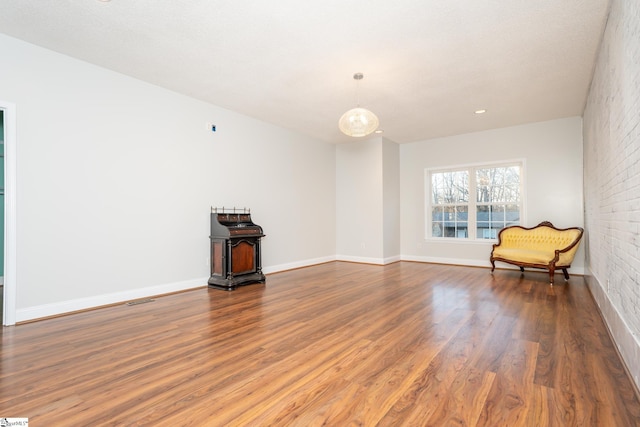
{"x": 472, "y": 203}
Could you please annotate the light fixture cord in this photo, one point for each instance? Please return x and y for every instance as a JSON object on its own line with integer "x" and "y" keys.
{"x": 357, "y": 77}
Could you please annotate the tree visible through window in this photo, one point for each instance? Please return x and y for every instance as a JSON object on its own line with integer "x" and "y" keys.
{"x": 496, "y": 201}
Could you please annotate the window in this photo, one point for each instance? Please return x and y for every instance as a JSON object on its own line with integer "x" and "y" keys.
{"x": 474, "y": 202}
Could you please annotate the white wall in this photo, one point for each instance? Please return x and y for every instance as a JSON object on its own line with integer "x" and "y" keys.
{"x": 552, "y": 152}
{"x": 612, "y": 181}
{"x": 391, "y": 199}
{"x": 359, "y": 204}
{"x": 116, "y": 177}
{"x": 367, "y": 200}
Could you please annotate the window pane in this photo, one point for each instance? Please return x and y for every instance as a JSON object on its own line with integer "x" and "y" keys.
{"x": 436, "y": 221}
{"x": 483, "y": 193}
{"x": 449, "y": 231}
{"x": 462, "y": 213}
{"x": 496, "y": 193}
{"x": 447, "y": 212}
{"x": 483, "y": 176}
{"x": 482, "y": 217}
{"x": 512, "y": 193}
{"x": 497, "y": 215}
{"x": 498, "y": 185}
{"x": 450, "y": 187}
{"x": 512, "y": 214}
{"x": 462, "y": 216}
{"x": 488, "y": 233}
{"x": 461, "y": 184}
{"x": 490, "y": 220}
{"x": 437, "y": 188}
{"x": 512, "y": 175}
{"x": 436, "y": 214}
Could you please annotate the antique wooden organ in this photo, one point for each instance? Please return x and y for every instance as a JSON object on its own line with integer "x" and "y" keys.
{"x": 235, "y": 249}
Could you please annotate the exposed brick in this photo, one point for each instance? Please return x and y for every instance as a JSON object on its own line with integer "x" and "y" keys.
{"x": 612, "y": 177}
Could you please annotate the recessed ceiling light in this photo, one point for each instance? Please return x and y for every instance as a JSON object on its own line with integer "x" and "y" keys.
{"x": 480, "y": 111}
{"x": 379, "y": 131}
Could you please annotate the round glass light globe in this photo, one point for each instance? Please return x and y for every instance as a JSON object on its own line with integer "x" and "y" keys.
{"x": 358, "y": 122}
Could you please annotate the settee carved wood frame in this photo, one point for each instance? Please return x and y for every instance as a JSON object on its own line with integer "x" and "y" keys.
{"x": 551, "y": 267}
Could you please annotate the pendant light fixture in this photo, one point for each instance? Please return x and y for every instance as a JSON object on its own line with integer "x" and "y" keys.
{"x": 358, "y": 121}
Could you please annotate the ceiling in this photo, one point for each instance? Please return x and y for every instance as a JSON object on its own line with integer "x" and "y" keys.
{"x": 427, "y": 64}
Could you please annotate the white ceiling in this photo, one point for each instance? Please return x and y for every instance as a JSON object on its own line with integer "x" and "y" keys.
{"x": 427, "y": 64}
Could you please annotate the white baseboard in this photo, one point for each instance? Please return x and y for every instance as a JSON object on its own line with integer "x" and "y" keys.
{"x": 453, "y": 261}
{"x": 623, "y": 338}
{"x": 297, "y": 264}
{"x": 46, "y": 310}
{"x": 368, "y": 260}
{"x": 63, "y": 307}
{"x": 477, "y": 263}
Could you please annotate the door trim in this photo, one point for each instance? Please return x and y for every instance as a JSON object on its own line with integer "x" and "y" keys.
{"x": 10, "y": 264}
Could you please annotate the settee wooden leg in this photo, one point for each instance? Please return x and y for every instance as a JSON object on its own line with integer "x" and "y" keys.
{"x": 522, "y": 269}
{"x": 493, "y": 265}
{"x": 566, "y": 274}
{"x": 551, "y": 273}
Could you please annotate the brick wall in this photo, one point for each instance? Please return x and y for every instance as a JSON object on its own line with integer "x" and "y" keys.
{"x": 611, "y": 131}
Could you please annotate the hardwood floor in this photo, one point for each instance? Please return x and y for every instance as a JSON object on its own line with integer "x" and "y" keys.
{"x": 407, "y": 344}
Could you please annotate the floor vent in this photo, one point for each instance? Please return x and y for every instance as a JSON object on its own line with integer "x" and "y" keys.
{"x": 140, "y": 301}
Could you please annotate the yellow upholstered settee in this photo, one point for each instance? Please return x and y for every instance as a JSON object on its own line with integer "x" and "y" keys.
{"x": 543, "y": 246}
